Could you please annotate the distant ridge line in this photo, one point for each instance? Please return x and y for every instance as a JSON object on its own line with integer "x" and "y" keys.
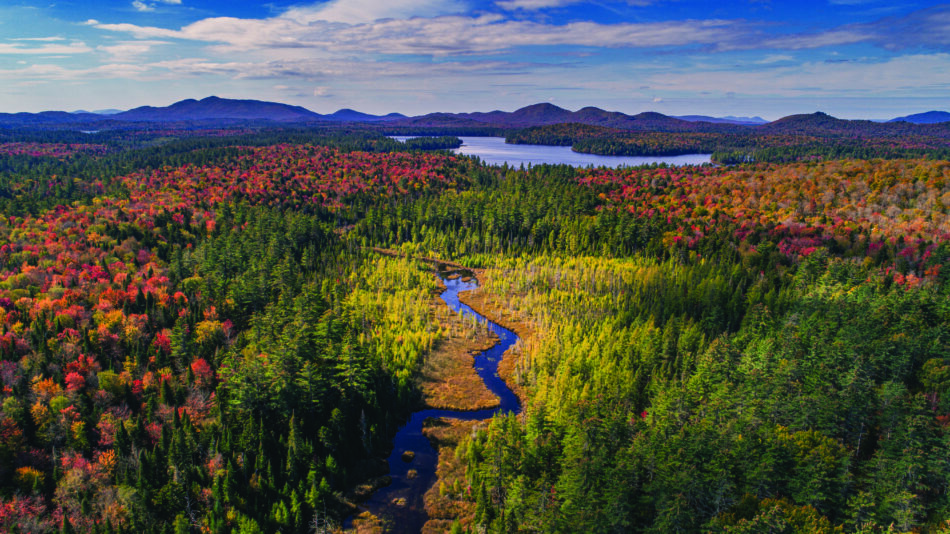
{"x": 226, "y": 110}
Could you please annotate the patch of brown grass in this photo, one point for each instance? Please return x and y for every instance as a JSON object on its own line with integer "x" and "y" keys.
{"x": 494, "y": 310}
{"x": 448, "y": 379}
{"x": 366, "y": 523}
{"x": 443, "y": 505}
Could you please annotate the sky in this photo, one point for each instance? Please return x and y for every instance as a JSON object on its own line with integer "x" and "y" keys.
{"x": 849, "y": 58}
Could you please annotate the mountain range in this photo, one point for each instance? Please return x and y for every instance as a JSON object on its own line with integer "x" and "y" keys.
{"x": 228, "y": 110}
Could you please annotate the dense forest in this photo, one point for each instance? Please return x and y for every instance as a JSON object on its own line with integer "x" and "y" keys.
{"x": 198, "y": 335}
{"x": 748, "y": 145}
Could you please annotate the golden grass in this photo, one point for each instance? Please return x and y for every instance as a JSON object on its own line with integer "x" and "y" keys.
{"x": 495, "y": 311}
{"x": 442, "y": 502}
{"x": 448, "y": 379}
{"x": 366, "y": 523}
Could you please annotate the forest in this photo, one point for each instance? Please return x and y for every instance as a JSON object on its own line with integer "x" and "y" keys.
{"x": 200, "y": 333}
{"x": 777, "y": 144}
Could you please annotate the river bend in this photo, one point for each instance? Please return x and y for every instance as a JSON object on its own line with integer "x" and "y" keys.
{"x": 412, "y": 516}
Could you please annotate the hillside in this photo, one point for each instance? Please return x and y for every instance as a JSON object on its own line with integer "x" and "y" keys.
{"x": 214, "y": 107}
{"x": 545, "y": 114}
{"x": 351, "y": 115}
{"x": 929, "y": 117}
{"x": 749, "y": 121}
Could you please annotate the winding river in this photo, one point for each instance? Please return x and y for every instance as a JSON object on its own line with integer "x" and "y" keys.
{"x": 412, "y": 516}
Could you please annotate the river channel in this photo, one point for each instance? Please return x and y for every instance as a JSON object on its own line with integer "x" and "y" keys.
{"x": 411, "y": 516}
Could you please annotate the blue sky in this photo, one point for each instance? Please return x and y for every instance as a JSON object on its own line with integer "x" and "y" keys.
{"x": 849, "y": 58}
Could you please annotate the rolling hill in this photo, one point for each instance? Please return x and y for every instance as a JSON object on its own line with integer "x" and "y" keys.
{"x": 929, "y": 117}
{"x": 219, "y": 108}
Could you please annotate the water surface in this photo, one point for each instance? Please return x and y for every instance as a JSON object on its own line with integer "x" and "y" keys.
{"x": 494, "y": 151}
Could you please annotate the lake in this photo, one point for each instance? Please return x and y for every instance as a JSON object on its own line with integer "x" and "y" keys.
{"x": 494, "y": 151}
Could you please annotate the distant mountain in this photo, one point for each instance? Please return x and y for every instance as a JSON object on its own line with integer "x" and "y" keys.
{"x": 723, "y": 120}
{"x": 46, "y": 118}
{"x": 540, "y": 114}
{"x": 213, "y": 111}
{"x": 930, "y": 117}
{"x": 808, "y": 124}
{"x": 439, "y": 120}
{"x": 97, "y": 112}
{"x": 824, "y": 125}
{"x": 546, "y": 114}
{"x": 349, "y": 115}
{"x": 213, "y": 107}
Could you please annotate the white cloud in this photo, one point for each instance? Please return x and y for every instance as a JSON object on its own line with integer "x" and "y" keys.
{"x": 533, "y": 5}
{"x": 925, "y": 28}
{"x": 139, "y": 5}
{"x": 439, "y": 36}
{"x": 317, "y": 69}
{"x": 819, "y": 40}
{"x": 363, "y": 11}
{"x": 56, "y": 72}
{"x": 129, "y": 50}
{"x": 529, "y": 5}
{"x": 317, "y": 50}
{"x": 913, "y": 75}
{"x": 774, "y": 58}
{"x": 47, "y": 39}
{"x": 47, "y": 49}
{"x": 429, "y": 27}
